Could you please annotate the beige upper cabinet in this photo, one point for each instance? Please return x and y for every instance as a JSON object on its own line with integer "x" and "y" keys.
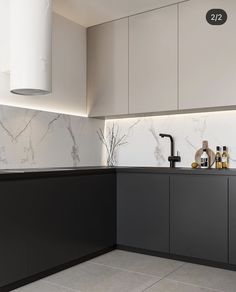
{"x": 107, "y": 90}
{"x": 153, "y": 56}
{"x": 207, "y": 56}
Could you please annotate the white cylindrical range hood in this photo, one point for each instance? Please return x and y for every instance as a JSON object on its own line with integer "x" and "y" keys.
{"x": 31, "y": 47}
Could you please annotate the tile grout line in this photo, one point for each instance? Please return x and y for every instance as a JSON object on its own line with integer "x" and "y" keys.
{"x": 61, "y": 286}
{"x": 149, "y": 287}
{"x": 181, "y": 266}
{"x": 146, "y": 289}
{"x": 194, "y": 285}
{"x": 126, "y": 270}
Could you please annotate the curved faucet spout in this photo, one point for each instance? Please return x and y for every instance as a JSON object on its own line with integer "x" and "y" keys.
{"x": 172, "y": 159}
{"x": 171, "y": 142}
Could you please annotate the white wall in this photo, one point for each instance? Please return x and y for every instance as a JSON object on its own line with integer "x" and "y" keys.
{"x": 4, "y": 38}
{"x": 144, "y": 147}
{"x": 32, "y": 139}
{"x": 69, "y": 68}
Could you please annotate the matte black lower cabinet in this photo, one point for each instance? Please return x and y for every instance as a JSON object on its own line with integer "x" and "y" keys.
{"x": 143, "y": 211}
{"x": 46, "y": 222}
{"x": 232, "y": 220}
{"x": 199, "y": 217}
{"x": 13, "y": 232}
{"x": 52, "y": 221}
{"x": 71, "y": 217}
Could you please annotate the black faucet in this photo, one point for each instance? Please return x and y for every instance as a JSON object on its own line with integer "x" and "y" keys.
{"x": 172, "y": 158}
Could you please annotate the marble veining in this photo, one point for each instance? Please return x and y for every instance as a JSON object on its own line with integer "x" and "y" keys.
{"x": 75, "y": 147}
{"x": 30, "y": 138}
{"x": 38, "y": 139}
{"x": 158, "y": 151}
{"x": 145, "y": 148}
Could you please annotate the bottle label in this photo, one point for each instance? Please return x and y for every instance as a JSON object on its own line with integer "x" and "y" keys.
{"x": 218, "y": 159}
{"x": 224, "y": 159}
{"x": 204, "y": 162}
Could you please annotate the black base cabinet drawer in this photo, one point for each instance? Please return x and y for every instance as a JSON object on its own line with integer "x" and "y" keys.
{"x": 199, "y": 217}
{"x": 232, "y": 220}
{"x": 143, "y": 211}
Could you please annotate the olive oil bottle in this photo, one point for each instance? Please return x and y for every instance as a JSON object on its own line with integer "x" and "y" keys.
{"x": 218, "y": 159}
{"x": 225, "y": 158}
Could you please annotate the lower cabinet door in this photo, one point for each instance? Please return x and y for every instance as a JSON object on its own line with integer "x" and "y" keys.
{"x": 232, "y": 220}
{"x": 13, "y": 233}
{"x": 143, "y": 211}
{"x": 71, "y": 217}
{"x": 199, "y": 217}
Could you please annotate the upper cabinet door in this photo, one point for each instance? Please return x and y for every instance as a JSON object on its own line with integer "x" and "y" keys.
{"x": 108, "y": 69}
{"x": 207, "y": 55}
{"x": 153, "y": 61}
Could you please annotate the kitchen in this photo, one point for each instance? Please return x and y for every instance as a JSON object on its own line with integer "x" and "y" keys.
{"x": 103, "y": 127}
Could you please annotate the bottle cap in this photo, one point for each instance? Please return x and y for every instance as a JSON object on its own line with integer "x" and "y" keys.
{"x": 217, "y": 148}
{"x": 224, "y": 148}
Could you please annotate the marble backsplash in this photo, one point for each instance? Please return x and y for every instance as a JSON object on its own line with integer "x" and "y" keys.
{"x": 31, "y": 139}
{"x": 143, "y": 147}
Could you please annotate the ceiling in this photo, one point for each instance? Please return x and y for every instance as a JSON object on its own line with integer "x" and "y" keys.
{"x": 92, "y": 12}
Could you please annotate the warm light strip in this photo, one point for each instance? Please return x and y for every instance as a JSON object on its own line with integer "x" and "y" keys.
{"x": 180, "y": 115}
{"x": 47, "y": 110}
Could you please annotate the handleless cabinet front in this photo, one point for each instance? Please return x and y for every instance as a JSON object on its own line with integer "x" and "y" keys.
{"x": 14, "y": 231}
{"x": 71, "y": 217}
{"x": 46, "y": 222}
{"x": 107, "y": 90}
{"x": 153, "y": 61}
{"x": 232, "y": 220}
{"x": 207, "y": 60}
{"x": 199, "y": 217}
{"x": 143, "y": 211}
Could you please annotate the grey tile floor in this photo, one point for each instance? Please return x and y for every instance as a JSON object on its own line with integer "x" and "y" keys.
{"x": 120, "y": 271}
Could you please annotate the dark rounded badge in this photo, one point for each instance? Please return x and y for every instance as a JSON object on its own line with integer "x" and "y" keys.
{"x": 216, "y": 17}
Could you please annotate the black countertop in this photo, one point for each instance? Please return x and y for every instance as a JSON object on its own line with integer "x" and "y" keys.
{"x": 63, "y": 171}
{"x": 178, "y": 170}
{"x": 6, "y": 174}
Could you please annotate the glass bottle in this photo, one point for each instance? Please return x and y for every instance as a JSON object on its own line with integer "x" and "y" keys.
{"x": 204, "y": 159}
{"x": 225, "y": 158}
{"x": 218, "y": 159}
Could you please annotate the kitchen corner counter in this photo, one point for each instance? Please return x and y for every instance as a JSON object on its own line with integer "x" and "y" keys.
{"x": 52, "y": 172}
{"x": 53, "y": 218}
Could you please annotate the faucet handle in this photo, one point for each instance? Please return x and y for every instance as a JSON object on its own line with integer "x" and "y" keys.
{"x": 174, "y": 158}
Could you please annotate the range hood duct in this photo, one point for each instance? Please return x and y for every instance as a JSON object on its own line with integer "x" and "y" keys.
{"x": 31, "y": 47}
